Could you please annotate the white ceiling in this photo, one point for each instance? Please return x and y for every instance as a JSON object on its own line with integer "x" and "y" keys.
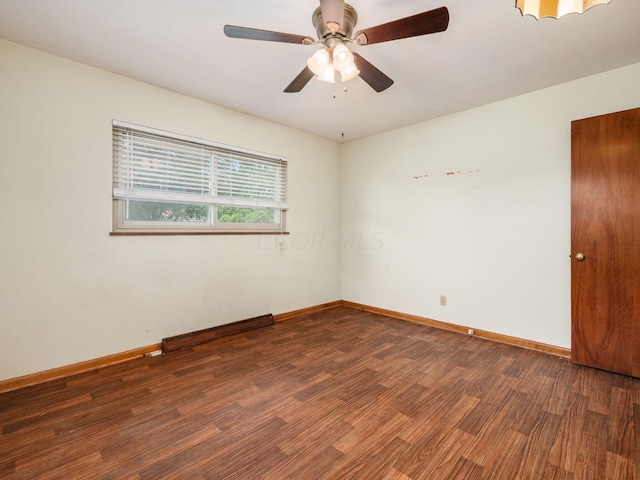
{"x": 490, "y": 52}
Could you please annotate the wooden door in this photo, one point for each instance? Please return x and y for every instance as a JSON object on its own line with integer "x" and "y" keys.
{"x": 605, "y": 242}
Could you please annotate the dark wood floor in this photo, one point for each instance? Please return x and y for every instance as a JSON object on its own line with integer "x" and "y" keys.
{"x": 340, "y": 394}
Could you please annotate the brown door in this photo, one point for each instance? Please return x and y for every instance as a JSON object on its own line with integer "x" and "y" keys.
{"x": 605, "y": 242}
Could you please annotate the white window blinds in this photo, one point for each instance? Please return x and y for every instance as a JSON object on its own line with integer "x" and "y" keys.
{"x": 157, "y": 166}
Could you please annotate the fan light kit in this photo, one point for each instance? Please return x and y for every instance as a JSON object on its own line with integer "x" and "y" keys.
{"x": 334, "y": 22}
{"x": 325, "y": 63}
{"x": 556, "y": 8}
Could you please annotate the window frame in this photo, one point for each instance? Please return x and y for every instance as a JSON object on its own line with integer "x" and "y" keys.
{"x": 213, "y": 226}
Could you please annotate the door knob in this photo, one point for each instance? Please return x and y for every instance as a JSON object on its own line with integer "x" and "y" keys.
{"x": 580, "y": 257}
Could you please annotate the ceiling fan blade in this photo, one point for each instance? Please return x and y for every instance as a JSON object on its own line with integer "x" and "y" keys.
{"x": 421, "y": 24}
{"x": 370, "y": 74}
{"x": 266, "y": 35}
{"x": 332, "y": 12}
{"x": 300, "y": 81}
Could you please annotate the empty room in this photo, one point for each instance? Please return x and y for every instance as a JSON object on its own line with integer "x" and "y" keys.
{"x": 320, "y": 240}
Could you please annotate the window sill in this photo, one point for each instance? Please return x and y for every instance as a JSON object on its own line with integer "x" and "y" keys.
{"x": 129, "y": 234}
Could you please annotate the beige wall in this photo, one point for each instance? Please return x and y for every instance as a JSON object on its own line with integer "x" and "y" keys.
{"x": 495, "y": 237}
{"x": 70, "y": 292}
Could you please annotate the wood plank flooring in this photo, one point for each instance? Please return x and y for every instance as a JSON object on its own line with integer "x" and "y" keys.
{"x": 337, "y": 394}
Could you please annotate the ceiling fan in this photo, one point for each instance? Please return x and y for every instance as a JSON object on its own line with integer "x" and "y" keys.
{"x": 334, "y": 22}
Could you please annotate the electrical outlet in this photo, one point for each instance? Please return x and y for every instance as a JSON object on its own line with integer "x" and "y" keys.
{"x": 470, "y": 331}
{"x": 443, "y": 300}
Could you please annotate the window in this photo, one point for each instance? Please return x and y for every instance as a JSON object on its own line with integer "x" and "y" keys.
{"x": 169, "y": 183}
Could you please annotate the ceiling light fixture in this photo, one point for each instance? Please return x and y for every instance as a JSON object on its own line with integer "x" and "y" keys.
{"x": 556, "y": 8}
{"x": 326, "y": 62}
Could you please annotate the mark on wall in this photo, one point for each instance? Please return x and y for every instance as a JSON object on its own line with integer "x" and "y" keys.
{"x": 459, "y": 172}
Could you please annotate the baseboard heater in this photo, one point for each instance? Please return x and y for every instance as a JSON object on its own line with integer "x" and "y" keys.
{"x": 198, "y": 337}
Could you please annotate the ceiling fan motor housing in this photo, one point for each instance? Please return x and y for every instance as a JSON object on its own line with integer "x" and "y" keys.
{"x": 344, "y": 31}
